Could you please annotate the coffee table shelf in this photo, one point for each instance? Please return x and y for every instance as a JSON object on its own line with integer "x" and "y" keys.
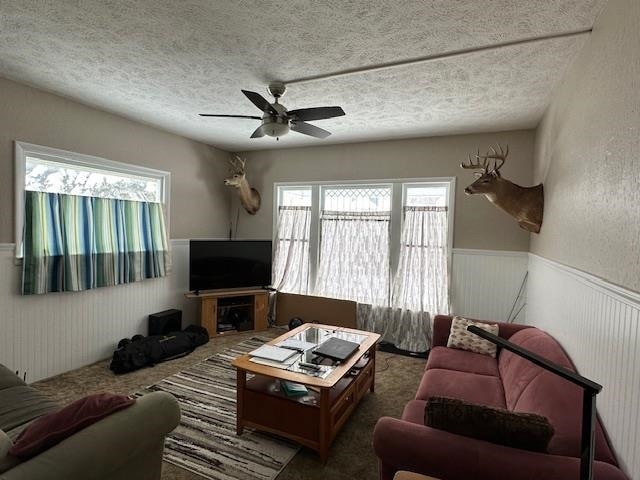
{"x": 314, "y": 420}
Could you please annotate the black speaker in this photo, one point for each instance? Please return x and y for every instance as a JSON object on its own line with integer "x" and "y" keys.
{"x": 164, "y": 322}
{"x": 295, "y": 322}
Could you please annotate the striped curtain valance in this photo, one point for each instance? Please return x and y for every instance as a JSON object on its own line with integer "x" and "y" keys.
{"x": 74, "y": 243}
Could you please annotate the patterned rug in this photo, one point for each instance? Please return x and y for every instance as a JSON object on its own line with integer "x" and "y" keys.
{"x": 205, "y": 442}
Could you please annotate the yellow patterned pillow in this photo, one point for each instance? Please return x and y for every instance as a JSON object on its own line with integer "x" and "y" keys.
{"x": 460, "y": 337}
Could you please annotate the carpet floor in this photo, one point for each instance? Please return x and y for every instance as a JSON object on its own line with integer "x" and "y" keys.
{"x": 205, "y": 442}
{"x": 351, "y": 456}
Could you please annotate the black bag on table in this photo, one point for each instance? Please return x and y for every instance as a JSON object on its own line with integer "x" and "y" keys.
{"x": 159, "y": 348}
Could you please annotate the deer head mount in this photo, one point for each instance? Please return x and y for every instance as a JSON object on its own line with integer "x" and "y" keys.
{"x": 525, "y": 204}
{"x": 249, "y": 197}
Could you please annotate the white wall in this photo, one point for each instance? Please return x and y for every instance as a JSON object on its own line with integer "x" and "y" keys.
{"x": 598, "y": 324}
{"x": 489, "y": 284}
{"x": 44, "y": 335}
{"x": 588, "y": 156}
{"x": 199, "y": 202}
{"x": 477, "y": 223}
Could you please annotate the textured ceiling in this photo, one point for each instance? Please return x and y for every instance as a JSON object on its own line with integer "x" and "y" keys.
{"x": 163, "y": 62}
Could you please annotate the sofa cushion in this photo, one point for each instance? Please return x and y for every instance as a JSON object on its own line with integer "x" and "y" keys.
{"x": 460, "y": 337}
{"x": 518, "y": 372}
{"x": 471, "y": 387}
{"x": 51, "y": 429}
{"x": 529, "y": 388}
{"x": 462, "y": 361}
{"x": 561, "y": 402}
{"x": 19, "y": 405}
{"x": 526, "y": 431}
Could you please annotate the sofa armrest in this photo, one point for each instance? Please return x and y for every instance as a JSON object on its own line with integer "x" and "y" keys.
{"x": 9, "y": 379}
{"x": 409, "y": 446}
{"x": 442, "y": 326}
{"x": 107, "y": 445}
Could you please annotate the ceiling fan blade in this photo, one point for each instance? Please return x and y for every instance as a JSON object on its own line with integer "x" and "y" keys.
{"x": 317, "y": 113}
{"x": 259, "y": 132}
{"x": 308, "y": 129}
{"x": 230, "y": 116}
{"x": 260, "y": 102}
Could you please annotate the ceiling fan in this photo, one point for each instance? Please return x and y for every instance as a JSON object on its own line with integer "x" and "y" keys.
{"x": 277, "y": 120}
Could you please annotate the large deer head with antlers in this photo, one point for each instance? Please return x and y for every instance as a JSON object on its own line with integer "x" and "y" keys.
{"x": 249, "y": 197}
{"x": 525, "y": 204}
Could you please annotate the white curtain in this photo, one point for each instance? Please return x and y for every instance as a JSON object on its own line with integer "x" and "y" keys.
{"x": 354, "y": 256}
{"x": 421, "y": 284}
{"x": 291, "y": 257}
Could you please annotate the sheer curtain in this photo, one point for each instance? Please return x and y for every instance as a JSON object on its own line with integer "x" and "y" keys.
{"x": 421, "y": 283}
{"x": 291, "y": 257}
{"x": 354, "y": 256}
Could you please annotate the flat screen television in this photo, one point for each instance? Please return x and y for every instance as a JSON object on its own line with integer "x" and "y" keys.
{"x": 224, "y": 264}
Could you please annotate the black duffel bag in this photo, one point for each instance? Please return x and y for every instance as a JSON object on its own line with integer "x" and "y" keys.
{"x": 158, "y": 348}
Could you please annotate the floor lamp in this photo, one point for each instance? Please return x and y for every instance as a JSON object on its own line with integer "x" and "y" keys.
{"x": 590, "y": 390}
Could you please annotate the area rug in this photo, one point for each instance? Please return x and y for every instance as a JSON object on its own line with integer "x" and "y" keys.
{"x": 205, "y": 442}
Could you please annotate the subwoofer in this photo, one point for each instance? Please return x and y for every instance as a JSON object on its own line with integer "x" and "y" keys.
{"x": 164, "y": 322}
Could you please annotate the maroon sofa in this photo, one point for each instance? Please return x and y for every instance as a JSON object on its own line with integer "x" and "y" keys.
{"x": 508, "y": 381}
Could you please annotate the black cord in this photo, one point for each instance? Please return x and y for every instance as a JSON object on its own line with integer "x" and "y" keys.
{"x": 386, "y": 366}
{"x": 524, "y": 281}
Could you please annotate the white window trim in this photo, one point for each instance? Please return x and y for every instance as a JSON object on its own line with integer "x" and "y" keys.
{"x": 398, "y": 194}
{"x": 24, "y": 149}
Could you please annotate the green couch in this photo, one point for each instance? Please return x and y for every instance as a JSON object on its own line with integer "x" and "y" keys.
{"x": 127, "y": 444}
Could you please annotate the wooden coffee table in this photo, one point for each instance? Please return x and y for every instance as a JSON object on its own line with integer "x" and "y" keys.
{"x": 315, "y": 419}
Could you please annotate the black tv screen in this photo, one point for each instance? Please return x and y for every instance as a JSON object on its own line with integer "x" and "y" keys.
{"x": 223, "y": 264}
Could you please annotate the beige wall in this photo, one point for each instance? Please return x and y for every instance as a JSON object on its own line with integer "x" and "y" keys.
{"x": 478, "y": 224}
{"x": 588, "y": 155}
{"x": 199, "y": 203}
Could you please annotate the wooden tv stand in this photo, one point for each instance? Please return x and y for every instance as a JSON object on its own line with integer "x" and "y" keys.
{"x": 220, "y": 308}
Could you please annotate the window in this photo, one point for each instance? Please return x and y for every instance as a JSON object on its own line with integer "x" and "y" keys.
{"x": 57, "y": 177}
{"x": 354, "y": 243}
{"x": 292, "y": 236}
{"x": 84, "y": 222}
{"x": 51, "y": 170}
{"x": 368, "y": 242}
{"x": 422, "y": 277}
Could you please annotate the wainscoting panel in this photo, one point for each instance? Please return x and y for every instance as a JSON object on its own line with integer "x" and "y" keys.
{"x": 44, "y": 335}
{"x": 597, "y": 323}
{"x": 485, "y": 283}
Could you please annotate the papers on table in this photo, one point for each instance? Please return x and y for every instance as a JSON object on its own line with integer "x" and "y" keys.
{"x": 273, "y": 353}
{"x": 272, "y": 363}
{"x": 299, "y": 345}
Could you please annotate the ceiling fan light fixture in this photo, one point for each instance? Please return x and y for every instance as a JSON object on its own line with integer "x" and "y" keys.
{"x": 278, "y": 121}
{"x": 276, "y": 129}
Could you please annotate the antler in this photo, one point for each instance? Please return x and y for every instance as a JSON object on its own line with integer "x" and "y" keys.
{"x": 237, "y": 164}
{"x": 501, "y": 156}
{"x": 476, "y": 166}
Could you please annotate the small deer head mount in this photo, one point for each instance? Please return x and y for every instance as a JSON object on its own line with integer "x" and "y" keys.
{"x": 525, "y": 204}
{"x": 249, "y": 197}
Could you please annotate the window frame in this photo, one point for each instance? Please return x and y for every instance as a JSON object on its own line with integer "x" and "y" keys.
{"x": 24, "y": 150}
{"x": 398, "y": 200}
